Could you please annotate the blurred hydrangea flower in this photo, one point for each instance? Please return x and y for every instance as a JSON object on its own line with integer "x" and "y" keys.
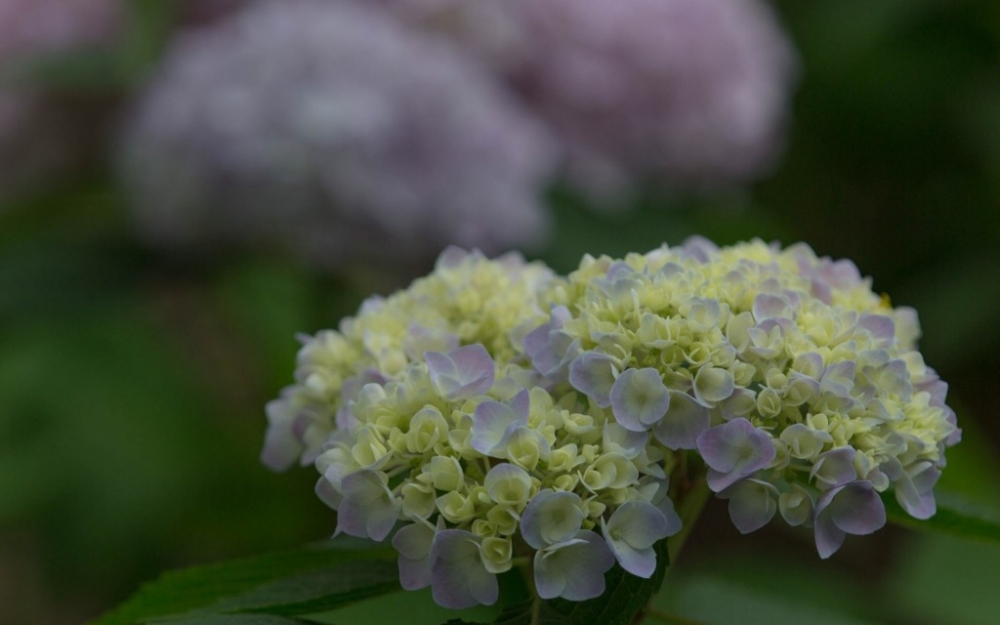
{"x": 329, "y": 127}
{"x": 540, "y": 436}
{"x": 43, "y": 129}
{"x": 686, "y": 92}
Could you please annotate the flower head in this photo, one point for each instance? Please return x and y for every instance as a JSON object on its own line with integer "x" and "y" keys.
{"x": 552, "y": 435}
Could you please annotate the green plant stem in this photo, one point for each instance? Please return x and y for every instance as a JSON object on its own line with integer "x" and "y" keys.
{"x": 536, "y": 609}
{"x": 689, "y": 509}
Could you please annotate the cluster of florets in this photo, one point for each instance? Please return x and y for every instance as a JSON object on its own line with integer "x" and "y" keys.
{"x": 796, "y": 384}
{"x": 489, "y": 430}
{"x": 467, "y": 300}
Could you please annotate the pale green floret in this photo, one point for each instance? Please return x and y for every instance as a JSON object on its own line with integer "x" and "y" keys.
{"x": 445, "y": 473}
{"x": 508, "y": 485}
{"x": 456, "y": 508}
{"x": 497, "y": 553}
{"x": 418, "y": 500}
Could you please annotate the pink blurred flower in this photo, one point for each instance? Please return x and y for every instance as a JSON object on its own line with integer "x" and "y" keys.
{"x": 687, "y": 92}
{"x": 332, "y": 129}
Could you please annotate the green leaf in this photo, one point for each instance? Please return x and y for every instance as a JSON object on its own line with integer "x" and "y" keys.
{"x": 955, "y": 516}
{"x": 713, "y": 601}
{"x": 317, "y": 591}
{"x": 521, "y": 614}
{"x": 240, "y": 619}
{"x": 944, "y": 579}
{"x": 280, "y": 582}
{"x": 412, "y": 607}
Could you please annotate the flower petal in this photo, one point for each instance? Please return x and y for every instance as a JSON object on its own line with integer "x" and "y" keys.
{"x": 493, "y": 422}
{"x": 551, "y": 517}
{"x": 685, "y": 421}
{"x": 414, "y": 543}
{"x": 751, "y": 504}
{"x": 593, "y": 374}
{"x": 458, "y": 578}
{"x": 734, "y": 450}
{"x": 639, "y": 399}
{"x": 573, "y": 569}
{"x": 463, "y": 373}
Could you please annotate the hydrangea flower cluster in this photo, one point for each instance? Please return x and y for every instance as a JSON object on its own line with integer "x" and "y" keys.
{"x": 329, "y": 128}
{"x": 495, "y": 412}
{"x": 687, "y": 92}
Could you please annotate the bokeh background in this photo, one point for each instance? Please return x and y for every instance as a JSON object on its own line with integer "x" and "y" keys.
{"x": 154, "y": 272}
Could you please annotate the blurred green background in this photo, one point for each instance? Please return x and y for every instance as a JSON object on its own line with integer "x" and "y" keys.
{"x": 132, "y": 386}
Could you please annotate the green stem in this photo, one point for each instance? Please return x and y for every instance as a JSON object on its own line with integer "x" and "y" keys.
{"x": 536, "y": 609}
{"x": 689, "y": 509}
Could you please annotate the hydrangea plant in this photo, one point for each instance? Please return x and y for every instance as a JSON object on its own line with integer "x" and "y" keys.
{"x": 496, "y": 415}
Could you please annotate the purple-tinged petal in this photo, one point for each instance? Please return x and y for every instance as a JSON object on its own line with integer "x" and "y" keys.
{"x": 632, "y": 531}
{"x": 713, "y": 385}
{"x": 768, "y": 306}
{"x": 281, "y": 447}
{"x": 639, "y": 399}
{"x": 809, "y": 364}
{"x": 551, "y": 517}
{"x": 685, "y": 421}
{"x": 854, "y": 508}
{"x": 698, "y": 248}
{"x": 493, "y": 424}
{"x": 914, "y": 487}
{"x": 369, "y": 509}
{"x": 593, "y": 374}
{"x": 420, "y": 340}
{"x": 550, "y": 349}
{"x": 414, "y": 543}
{"x": 751, "y": 504}
{"x": 573, "y": 569}
{"x": 838, "y": 378}
{"x": 881, "y": 327}
{"x": 829, "y": 538}
{"x": 734, "y": 450}
{"x": 463, "y": 373}
{"x": 459, "y": 579}
{"x": 328, "y": 494}
{"x": 536, "y": 342}
{"x": 834, "y": 468}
